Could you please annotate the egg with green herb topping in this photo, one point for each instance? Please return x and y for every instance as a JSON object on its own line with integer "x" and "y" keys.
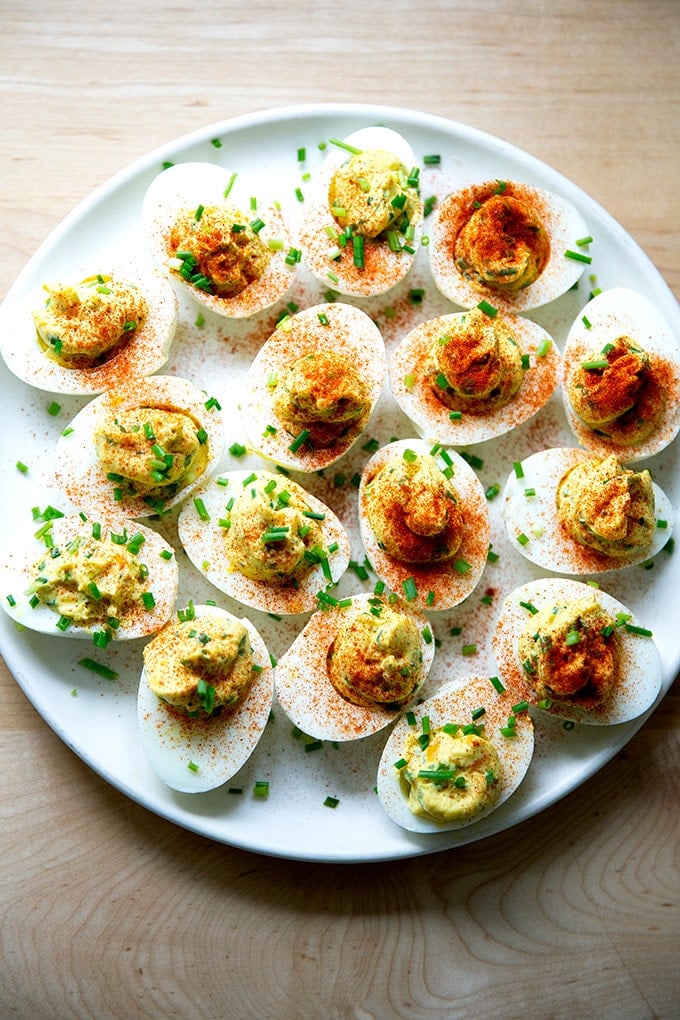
{"x": 264, "y": 540}
{"x": 424, "y": 522}
{"x": 468, "y": 377}
{"x": 621, "y": 376}
{"x": 91, "y": 332}
{"x": 140, "y": 448}
{"x": 355, "y": 666}
{"x": 456, "y": 757}
{"x": 511, "y": 243}
{"x": 576, "y": 652}
{"x": 100, "y": 578}
{"x": 204, "y": 698}
{"x": 574, "y": 513}
{"x": 226, "y": 247}
{"x": 363, "y": 214}
{"x": 313, "y": 386}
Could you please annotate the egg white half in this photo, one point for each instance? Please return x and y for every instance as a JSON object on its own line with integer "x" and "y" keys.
{"x": 640, "y": 663}
{"x": 203, "y": 541}
{"x": 305, "y": 692}
{"x": 146, "y": 351}
{"x": 455, "y": 702}
{"x": 562, "y": 221}
{"x": 137, "y": 621}
{"x": 217, "y": 747}
{"x": 78, "y": 470}
{"x": 383, "y": 268}
{"x": 439, "y": 585}
{"x": 535, "y": 517}
{"x": 349, "y": 332}
{"x": 432, "y": 418}
{"x": 186, "y": 186}
{"x": 609, "y": 315}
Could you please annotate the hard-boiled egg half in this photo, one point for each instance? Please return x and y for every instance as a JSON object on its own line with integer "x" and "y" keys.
{"x": 264, "y": 540}
{"x": 140, "y": 448}
{"x": 576, "y": 652}
{"x": 424, "y": 522}
{"x": 362, "y": 217}
{"x": 456, "y": 757}
{"x": 512, "y": 243}
{"x": 311, "y": 389}
{"x": 468, "y": 377}
{"x": 98, "y": 577}
{"x": 226, "y": 247}
{"x": 575, "y": 513}
{"x": 94, "y": 331}
{"x": 204, "y": 699}
{"x": 355, "y": 666}
{"x": 621, "y": 376}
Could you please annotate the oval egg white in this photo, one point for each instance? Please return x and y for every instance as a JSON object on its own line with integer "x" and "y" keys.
{"x": 78, "y": 470}
{"x": 438, "y": 586}
{"x": 190, "y": 186}
{"x": 563, "y": 223}
{"x": 155, "y": 553}
{"x": 337, "y": 328}
{"x": 383, "y": 268}
{"x": 609, "y": 315}
{"x": 456, "y": 702}
{"x": 196, "y": 755}
{"x": 145, "y": 352}
{"x": 534, "y": 528}
{"x": 432, "y": 418}
{"x": 202, "y": 536}
{"x": 640, "y": 663}
{"x": 305, "y": 692}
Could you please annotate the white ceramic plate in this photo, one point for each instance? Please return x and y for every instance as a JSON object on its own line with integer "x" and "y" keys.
{"x": 97, "y": 718}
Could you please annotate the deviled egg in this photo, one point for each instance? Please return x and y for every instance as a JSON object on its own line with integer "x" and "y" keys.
{"x": 92, "y": 332}
{"x": 140, "y": 448}
{"x": 226, "y": 247}
{"x": 354, "y": 667}
{"x": 468, "y": 377}
{"x": 204, "y": 698}
{"x": 576, "y": 652}
{"x": 513, "y": 243}
{"x": 264, "y": 540}
{"x": 311, "y": 389}
{"x": 81, "y": 577}
{"x": 575, "y": 513}
{"x": 362, "y": 218}
{"x": 424, "y": 522}
{"x": 456, "y": 757}
{"x": 621, "y": 376}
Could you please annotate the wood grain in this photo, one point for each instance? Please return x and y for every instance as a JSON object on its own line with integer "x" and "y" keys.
{"x": 109, "y": 911}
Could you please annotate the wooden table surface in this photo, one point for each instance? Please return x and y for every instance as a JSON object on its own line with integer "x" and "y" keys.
{"x": 109, "y": 911}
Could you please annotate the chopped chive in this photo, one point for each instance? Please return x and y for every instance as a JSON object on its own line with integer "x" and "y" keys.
{"x": 299, "y": 441}
{"x": 201, "y": 509}
{"x": 488, "y": 309}
{"x": 21, "y": 467}
{"x": 331, "y": 802}
{"x": 261, "y": 788}
{"x": 148, "y": 600}
{"x": 583, "y": 241}
{"x": 99, "y": 668}
{"x": 53, "y": 409}
{"x": 518, "y": 469}
{"x": 497, "y": 684}
{"x": 344, "y": 145}
{"x": 578, "y": 256}
{"x": 492, "y": 491}
{"x": 543, "y": 348}
{"x": 410, "y": 589}
{"x": 595, "y": 364}
{"x": 522, "y": 538}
